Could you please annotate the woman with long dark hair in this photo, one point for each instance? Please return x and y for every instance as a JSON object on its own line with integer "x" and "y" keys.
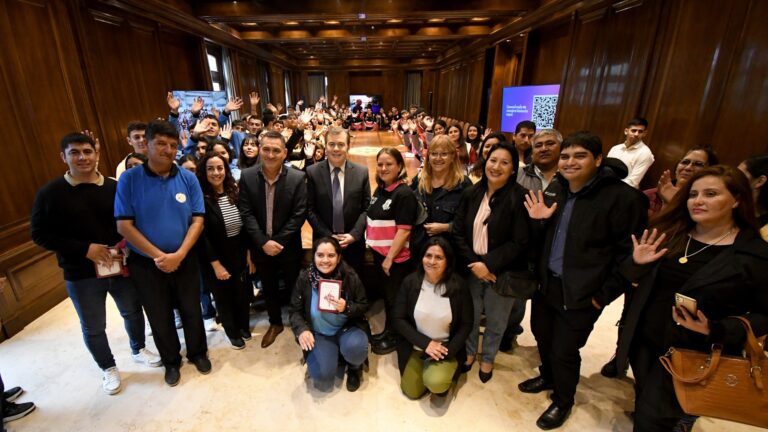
{"x": 473, "y": 140}
{"x": 322, "y": 334}
{"x": 249, "y": 152}
{"x": 433, "y": 314}
{"x": 390, "y": 218}
{"x": 476, "y": 173}
{"x": 491, "y": 236}
{"x": 703, "y": 245}
{"x": 225, "y": 243}
{"x": 454, "y": 134}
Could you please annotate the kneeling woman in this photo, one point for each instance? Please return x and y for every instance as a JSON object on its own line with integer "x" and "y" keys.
{"x": 323, "y": 335}
{"x": 433, "y": 314}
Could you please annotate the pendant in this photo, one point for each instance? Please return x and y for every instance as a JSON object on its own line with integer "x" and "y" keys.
{"x": 683, "y": 260}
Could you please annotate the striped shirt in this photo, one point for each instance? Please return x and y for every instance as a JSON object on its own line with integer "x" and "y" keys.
{"x": 392, "y": 208}
{"x": 232, "y": 221}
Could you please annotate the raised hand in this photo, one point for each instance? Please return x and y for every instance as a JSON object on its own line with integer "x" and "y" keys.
{"x": 215, "y": 111}
{"x": 536, "y": 207}
{"x": 254, "y": 99}
{"x": 96, "y": 144}
{"x": 272, "y": 108}
{"x": 646, "y": 250}
{"x": 429, "y": 122}
{"x": 201, "y": 127}
{"x": 486, "y": 133}
{"x": 226, "y": 131}
{"x": 173, "y": 103}
{"x": 234, "y": 104}
{"x": 306, "y": 116}
{"x": 183, "y": 137}
{"x": 666, "y": 190}
{"x": 279, "y": 107}
{"x": 197, "y": 106}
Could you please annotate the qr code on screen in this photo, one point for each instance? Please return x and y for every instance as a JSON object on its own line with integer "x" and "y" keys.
{"x": 543, "y": 113}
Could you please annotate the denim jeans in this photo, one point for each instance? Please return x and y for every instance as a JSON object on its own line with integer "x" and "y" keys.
{"x": 89, "y": 297}
{"x": 497, "y": 310}
{"x": 323, "y": 360}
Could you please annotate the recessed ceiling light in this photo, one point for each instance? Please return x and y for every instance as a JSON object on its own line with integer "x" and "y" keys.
{"x": 436, "y": 20}
{"x": 333, "y": 22}
{"x": 394, "y": 21}
{"x": 479, "y": 19}
{"x": 291, "y": 23}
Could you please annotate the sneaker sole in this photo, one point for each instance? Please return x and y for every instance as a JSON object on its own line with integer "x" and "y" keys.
{"x": 113, "y": 392}
{"x": 19, "y": 415}
{"x": 238, "y": 348}
{"x": 150, "y": 364}
{"x": 14, "y": 396}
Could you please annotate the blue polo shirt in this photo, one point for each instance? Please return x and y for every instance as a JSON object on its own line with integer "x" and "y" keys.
{"x": 161, "y": 207}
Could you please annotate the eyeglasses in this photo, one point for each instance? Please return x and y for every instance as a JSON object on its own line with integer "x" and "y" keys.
{"x": 439, "y": 155}
{"x": 697, "y": 164}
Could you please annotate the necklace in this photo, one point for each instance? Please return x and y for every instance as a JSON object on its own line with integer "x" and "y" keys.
{"x": 684, "y": 259}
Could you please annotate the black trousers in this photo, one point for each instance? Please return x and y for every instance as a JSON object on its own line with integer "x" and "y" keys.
{"x": 656, "y": 406}
{"x": 270, "y": 270}
{"x": 560, "y": 334}
{"x": 389, "y": 285}
{"x": 160, "y": 292}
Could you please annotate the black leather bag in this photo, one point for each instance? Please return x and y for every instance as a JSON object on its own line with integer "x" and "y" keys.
{"x": 521, "y": 284}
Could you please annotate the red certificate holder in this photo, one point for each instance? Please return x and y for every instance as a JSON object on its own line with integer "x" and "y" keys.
{"x": 328, "y": 292}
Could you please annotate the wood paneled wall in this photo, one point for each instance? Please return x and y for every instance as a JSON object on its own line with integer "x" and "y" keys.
{"x": 70, "y": 66}
{"x": 459, "y": 89}
{"x": 694, "y": 68}
{"x": 390, "y": 84}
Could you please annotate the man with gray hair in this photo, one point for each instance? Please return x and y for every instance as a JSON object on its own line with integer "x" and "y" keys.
{"x": 537, "y": 176}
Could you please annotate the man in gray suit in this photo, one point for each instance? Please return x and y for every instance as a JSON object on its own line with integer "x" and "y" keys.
{"x": 338, "y": 195}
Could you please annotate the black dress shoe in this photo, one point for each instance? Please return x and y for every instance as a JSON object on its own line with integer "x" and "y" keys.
{"x": 464, "y": 368}
{"x": 485, "y": 376}
{"x": 507, "y": 343}
{"x": 535, "y": 385}
{"x": 553, "y": 417}
{"x": 611, "y": 369}
{"x": 383, "y": 346}
{"x": 245, "y": 334}
{"x": 353, "y": 378}
{"x": 172, "y": 375}
{"x": 203, "y": 365}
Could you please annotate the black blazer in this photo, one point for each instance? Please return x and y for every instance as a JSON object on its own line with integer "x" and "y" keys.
{"x": 508, "y": 228}
{"x": 405, "y": 325}
{"x": 357, "y": 197}
{"x": 215, "y": 243}
{"x": 290, "y": 210}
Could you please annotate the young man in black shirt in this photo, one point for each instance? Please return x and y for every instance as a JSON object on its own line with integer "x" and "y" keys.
{"x": 73, "y": 216}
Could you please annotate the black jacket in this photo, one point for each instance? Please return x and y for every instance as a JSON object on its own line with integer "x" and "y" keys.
{"x": 734, "y": 283}
{"x": 405, "y": 325}
{"x": 290, "y": 211}
{"x": 508, "y": 228}
{"x": 215, "y": 245}
{"x": 605, "y": 214}
{"x": 357, "y": 197}
{"x": 351, "y": 289}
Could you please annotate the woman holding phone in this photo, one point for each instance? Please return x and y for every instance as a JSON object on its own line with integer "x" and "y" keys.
{"x": 705, "y": 254}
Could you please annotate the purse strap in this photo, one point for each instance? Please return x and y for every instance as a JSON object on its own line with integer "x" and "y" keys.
{"x": 754, "y": 352}
{"x": 710, "y": 367}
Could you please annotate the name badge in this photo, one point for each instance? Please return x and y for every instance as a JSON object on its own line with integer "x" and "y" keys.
{"x": 180, "y": 197}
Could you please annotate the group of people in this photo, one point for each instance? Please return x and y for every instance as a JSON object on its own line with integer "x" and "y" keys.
{"x": 485, "y": 225}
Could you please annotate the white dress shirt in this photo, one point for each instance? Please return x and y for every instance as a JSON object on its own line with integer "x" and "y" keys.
{"x": 638, "y": 158}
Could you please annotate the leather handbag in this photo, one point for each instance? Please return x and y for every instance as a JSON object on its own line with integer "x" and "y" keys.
{"x": 521, "y": 284}
{"x": 726, "y": 387}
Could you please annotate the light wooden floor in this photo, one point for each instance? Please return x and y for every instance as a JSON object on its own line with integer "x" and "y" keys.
{"x": 264, "y": 389}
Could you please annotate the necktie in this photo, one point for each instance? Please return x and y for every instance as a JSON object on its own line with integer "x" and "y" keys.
{"x": 338, "y": 203}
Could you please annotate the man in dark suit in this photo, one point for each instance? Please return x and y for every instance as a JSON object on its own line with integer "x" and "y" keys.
{"x": 338, "y": 195}
{"x": 273, "y": 205}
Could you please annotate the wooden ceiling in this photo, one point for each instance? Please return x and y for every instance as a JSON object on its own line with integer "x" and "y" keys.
{"x": 361, "y": 32}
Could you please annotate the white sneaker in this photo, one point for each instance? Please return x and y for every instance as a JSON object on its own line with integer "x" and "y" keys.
{"x": 148, "y": 358}
{"x": 210, "y": 324}
{"x": 111, "y": 381}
